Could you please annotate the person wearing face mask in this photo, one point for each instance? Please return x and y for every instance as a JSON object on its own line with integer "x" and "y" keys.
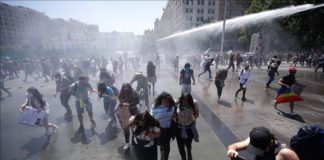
{"x": 62, "y": 86}
{"x": 163, "y": 110}
{"x": 38, "y": 102}
{"x": 80, "y": 90}
{"x": 128, "y": 101}
{"x": 263, "y": 145}
{"x": 186, "y": 74}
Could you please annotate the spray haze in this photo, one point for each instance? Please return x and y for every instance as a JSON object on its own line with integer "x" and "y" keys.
{"x": 252, "y": 19}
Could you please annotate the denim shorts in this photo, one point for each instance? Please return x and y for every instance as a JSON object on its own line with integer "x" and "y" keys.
{"x": 86, "y": 105}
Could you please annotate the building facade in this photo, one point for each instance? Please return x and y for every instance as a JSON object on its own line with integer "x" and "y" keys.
{"x": 180, "y": 15}
{"x": 23, "y": 28}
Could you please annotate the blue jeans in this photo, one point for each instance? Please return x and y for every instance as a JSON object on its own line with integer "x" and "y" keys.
{"x": 271, "y": 78}
{"x": 109, "y": 107}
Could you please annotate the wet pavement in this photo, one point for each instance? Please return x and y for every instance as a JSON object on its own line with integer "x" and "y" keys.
{"x": 219, "y": 124}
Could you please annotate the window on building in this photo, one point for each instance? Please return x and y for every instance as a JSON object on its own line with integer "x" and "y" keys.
{"x": 209, "y": 3}
{"x": 198, "y": 10}
{"x": 201, "y": 18}
{"x": 187, "y": 2}
{"x": 197, "y": 19}
{"x": 191, "y": 10}
{"x": 198, "y": 2}
{"x": 212, "y": 11}
{"x": 202, "y": 11}
{"x": 213, "y": 2}
{"x": 187, "y": 10}
{"x": 190, "y": 18}
{"x": 202, "y": 2}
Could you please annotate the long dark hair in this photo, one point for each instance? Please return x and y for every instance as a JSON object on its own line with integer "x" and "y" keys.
{"x": 166, "y": 95}
{"x": 37, "y": 95}
{"x": 122, "y": 93}
{"x": 147, "y": 119}
{"x": 190, "y": 100}
{"x": 102, "y": 88}
{"x": 150, "y": 68}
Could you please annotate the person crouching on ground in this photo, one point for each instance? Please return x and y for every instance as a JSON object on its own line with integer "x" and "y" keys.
{"x": 37, "y": 101}
{"x": 145, "y": 129}
{"x": 263, "y": 145}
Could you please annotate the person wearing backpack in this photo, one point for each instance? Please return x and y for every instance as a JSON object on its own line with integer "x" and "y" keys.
{"x": 186, "y": 74}
{"x": 62, "y": 86}
{"x": 309, "y": 143}
{"x": 263, "y": 145}
{"x": 244, "y": 78}
{"x": 80, "y": 90}
{"x": 219, "y": 81}
{"x": 272, "y": 70}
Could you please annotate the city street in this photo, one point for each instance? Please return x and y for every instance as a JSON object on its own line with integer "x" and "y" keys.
{"x": 219, "y": 124}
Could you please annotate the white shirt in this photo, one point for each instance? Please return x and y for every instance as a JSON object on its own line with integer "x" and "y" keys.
{"x": 245, "y": 76}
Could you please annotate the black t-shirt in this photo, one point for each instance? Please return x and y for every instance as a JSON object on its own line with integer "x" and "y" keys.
{"x": 186, "y": 76}
{"x": 288, "y": 80}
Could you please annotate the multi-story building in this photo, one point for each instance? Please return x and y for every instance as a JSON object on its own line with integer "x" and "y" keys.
{"x": 20, "y": 27}
{"x": 182, "y": 15}
{"x": 24, "y": 28}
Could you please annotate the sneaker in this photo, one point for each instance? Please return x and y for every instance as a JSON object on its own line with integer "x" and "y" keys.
{"x": 267, "y": 86}
{"x": 126, "y": 146}
{"x": 81, "y": 128}
{"x": 243, "y": 99}
{"x": 219, "y": 100}
{"x": 93, "y": 124}
{"x": 67, "y": 116}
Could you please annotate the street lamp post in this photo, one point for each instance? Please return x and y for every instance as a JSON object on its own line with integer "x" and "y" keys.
{"x": 224, "y": 21}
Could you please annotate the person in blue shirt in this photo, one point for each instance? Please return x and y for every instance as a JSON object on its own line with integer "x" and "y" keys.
{"x": 109, "y": 100}
{"x": 163, "y": 110}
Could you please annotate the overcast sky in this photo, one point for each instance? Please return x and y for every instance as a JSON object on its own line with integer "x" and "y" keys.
{"x": 131, "y": 16}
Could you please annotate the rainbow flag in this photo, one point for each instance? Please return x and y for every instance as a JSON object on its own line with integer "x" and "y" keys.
{"x": 288, "y": 97}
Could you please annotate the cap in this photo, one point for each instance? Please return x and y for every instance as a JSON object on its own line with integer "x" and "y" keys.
{"x": 292, "y": 70}
{"x": 260, "y": 138}
{"x": 139, "y": 72}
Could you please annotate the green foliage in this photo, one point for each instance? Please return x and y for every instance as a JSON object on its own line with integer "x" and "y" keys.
{"x": 307, "y": 28}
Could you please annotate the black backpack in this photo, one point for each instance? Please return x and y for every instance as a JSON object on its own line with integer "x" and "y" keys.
{"x": 309, "y": 143}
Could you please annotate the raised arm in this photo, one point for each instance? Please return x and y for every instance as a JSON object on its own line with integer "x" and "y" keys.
{"x": 232, "y": 150}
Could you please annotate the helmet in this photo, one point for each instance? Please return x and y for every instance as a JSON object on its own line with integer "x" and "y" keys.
{"x": 292, "y": 70}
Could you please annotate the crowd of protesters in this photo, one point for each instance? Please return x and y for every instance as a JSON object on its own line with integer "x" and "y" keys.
{"x": 167, "y": 119}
